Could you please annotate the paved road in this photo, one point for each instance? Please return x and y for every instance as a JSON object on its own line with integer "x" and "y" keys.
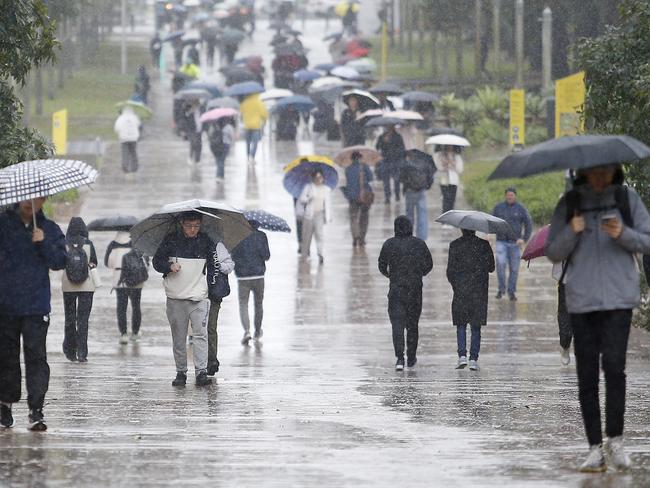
{"x": 318, "y": 404}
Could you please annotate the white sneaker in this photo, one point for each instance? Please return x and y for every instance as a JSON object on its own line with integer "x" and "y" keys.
{"x": 124, "y": 339}
{"x": 136, "y": 337}
{"x": 473, "y": 365}
{"x": 462, "y": 362}
{"x": 565, "y": 356}
{"x": 595, "y": 462}
{"x": 617, "y": 455}
{"x": 246, "y": 339}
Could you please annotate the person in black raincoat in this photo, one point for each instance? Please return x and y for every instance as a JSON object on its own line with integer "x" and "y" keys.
{"x": 405, "y": 259}
{"x": 470, "y": 262}
{"x": 391, "y": 146}
{"x": 352, "y": 130}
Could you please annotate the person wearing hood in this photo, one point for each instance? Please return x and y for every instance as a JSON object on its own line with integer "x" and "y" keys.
{"x": 353, "y": 132}
{"x": 358, "y": 177}
{"x": 30, "y": 246}
{"x": 469, "y": 266}
{"x": 596, "y": 230}
{"x": 127, "y": 128}
{"x": 405, "y": 260}
{"x": 78, "y": 290}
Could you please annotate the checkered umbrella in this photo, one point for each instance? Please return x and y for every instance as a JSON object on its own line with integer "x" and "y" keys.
{"x": 267, "y": 221}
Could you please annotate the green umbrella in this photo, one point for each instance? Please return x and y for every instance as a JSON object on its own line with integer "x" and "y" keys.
{"x": 139, "y": 108}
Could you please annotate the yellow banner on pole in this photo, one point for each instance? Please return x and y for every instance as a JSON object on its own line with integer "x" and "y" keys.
{"x": 60, "y": 132}
{"x": 384, "y": 50}
{"x": 517, "y": 118}
{"x": 569, "y": 103}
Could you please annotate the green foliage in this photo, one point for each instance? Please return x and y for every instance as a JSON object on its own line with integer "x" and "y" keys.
{"x": 488, "y": 133}
{"x": 447, "y": 106}
{"x": 69, "y": 196}
{"x": 535, "y": 134}
{"x": 539, "y": 194}
{"x": 535, "y": 108}
{"x": 493, "y": 102}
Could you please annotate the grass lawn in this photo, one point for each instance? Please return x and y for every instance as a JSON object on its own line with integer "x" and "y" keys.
{"x": 91, "y": 94}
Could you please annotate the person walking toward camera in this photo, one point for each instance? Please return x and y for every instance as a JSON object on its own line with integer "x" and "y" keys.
{"x": 315, "y": 206}
{"x": 449, "y": 164}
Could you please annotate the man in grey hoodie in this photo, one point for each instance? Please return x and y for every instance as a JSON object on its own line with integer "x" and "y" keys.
{"x": 597, "y": 228}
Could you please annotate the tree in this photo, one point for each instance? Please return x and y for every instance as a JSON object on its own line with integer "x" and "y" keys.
{"x": 28, "y": 41}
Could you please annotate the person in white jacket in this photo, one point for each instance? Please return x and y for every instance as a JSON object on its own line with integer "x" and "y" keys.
{"x": 449, "y": 165}
{"x": 127, "y": 128}
{"x": 315, "y": 207}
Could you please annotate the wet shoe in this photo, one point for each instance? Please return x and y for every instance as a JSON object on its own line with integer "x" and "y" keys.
{"x": 473, "y": 365}
{"x": 213, "y": 369}
{"x": 565, "y": 356}
{"x": 513, "y": 297}
{"x": 124, "y": 339}
{"x": 411, "y": 362}
{"x": 70, "y": 357}
{"x": 499, "y": 295}
{"x": 617, "y": 455}
{"x": 180, "y": 380}
{"x": 6, "y": 418}
{"x": 258, "y": 335}
{"x": 202, "y": 379}
{"x": 246, "y": 339}
{"x": 36, "y": 421}
{"x": 83, "y": 360}
{"x": 355, "y": 242}
{"x": 399, "y": 365}
{"x": 462, "y": 362}
{"x": 190, "y": 339}
{"x": 136, "y": 337}
{"x": 595, "y": 462}
{"x": 321, "y": 259}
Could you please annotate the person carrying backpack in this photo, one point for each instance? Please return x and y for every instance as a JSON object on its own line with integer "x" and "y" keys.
{"x": 417, "y": 175}
{"x": 129, "y": 275}
{"x": 221, "y": 135}
{"x": 78, "y": 290}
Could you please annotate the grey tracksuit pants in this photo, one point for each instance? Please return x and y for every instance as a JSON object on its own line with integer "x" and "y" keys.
{"x": 180, "y": 313}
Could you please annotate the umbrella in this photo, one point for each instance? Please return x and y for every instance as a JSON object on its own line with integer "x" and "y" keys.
{"x": 238, "y": 74}
{"x": 139, "y": 108}
{"x": 218, "y": 113}
{"x": 383, "y": 121}
{"x": 417, "y": 163}
{"x": 478, "y": 221}
{"x": 420, "y": 96}
{"x": 535, "y": 247}
{"x": 174, "y": 35}
{"x": 332, "y": 36}
{"x": 243, "y": 89}
{"x": 345, "y": 72}
{"x": 326, "y": 67}
{"x": 365, "y": 66}
{"x": 232, "y": 36}
{"x": 221, "y": 222}
{"x": 299, "y": 172}
{"x": 200, "y": 17}
{"x": 409, "y": 115}
{"x": 367, "y": 100}
{"x": 267, "y": 221}
{"x": 436, "y": 131}
{"x": 192, "y": 94}
{"x": 300, "y": 103}
{"x": 275, "y": 94}
{"x": 205, "y": 85}
{"x": 386, "y": 87}
{"x": 306, "y": 75}
{"x": 223, "y": 102}
{"x": 369, "y": 114}
{"x": 573, "y": 152}
{"x": 447, "y": 140}
{"x": 368, "y": 156}
{"x": 120, "y": 223}
{"x": 327, "y": 82}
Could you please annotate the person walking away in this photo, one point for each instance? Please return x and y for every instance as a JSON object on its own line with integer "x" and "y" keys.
{"x": 360, "y": 198}
{"x": 78, "y": 290}
{"x": 183, "y": 258}
{"x": 315, "y": 201}
{"x": 415, "y": 184}
{"x": 469, "y": 266}
{"x": 142, "y": 84}
{"x": 450, "y": 165}
{"x": 597, "y": 228}
{"x": 287, "y": 125}
{"x": 391, "y": 146}
{"x": 250, "y": 258}
{"x": 221, "y": 135}
{"x": 508, "y": 249}
{"x": 352, "y": 130}
{"x": 254, "y": 115}
{"x": 27, "y": 253}
{"x": 405, "y": 260}
{"x": 155, "y": 48}
{"x": 129, "y": 276}
{"x": 127, "y": 127}
{"x": 194, "y": 128}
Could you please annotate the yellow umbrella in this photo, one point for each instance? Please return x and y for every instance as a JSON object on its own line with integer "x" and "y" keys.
{"x": 342, "y": 8}
{"x": 299, "y": 172}
{"x": 311, "y": 159}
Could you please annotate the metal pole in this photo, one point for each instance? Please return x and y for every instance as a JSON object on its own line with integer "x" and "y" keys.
{"x": 477, "y": 37}
{"x": 496, "y": 31}
{"x": 547, "y": 25}
{"x": 384, "y": 49}
{"x": 519, "y": 42}
{"x": 409, "y": 25}
{"x": 123, "y": 40}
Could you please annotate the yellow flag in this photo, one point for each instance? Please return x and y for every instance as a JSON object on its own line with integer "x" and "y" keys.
{"x": 569, "y": 103}
{"x": 517, "y": 118}
{"x": 60, "y": 131}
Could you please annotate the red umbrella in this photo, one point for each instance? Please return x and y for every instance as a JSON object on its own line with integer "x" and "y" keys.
{"x": 535, "y": 247}
{"x": 218, "y": 113}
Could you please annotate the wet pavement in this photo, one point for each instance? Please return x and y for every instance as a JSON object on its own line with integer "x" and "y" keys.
{"x": 318, "y": 402}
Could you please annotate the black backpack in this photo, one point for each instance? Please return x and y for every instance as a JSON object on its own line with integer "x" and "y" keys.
{"x": 76, "y": 263}
{"x": 133, "y": 271}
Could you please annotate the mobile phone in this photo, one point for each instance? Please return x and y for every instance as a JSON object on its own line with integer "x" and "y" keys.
{"x": 609, "y": 216}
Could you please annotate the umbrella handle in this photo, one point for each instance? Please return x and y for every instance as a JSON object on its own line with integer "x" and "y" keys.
{"x": 33, "y": 214}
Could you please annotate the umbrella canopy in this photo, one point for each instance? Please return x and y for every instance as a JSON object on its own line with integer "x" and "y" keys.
{"x": 420, "y": 96}
{"x": 139, "y": 108}
{"x": 232, "y": 36}
{"x": 383, "y": 121}
{"x": 420, "y": 158}
{"x": 447, "y": 140}
{"x": 368, "y": 156}
{"x": 42, "y": 178}
{"x": 369, "y": 114}
{"x": 574, "y": 152}
{"x": 345, "y": 72}
{"x": 173, "y": 35}
{"x": 535, "y": 247}
{"x": 275, "y": 94}
{"x": 300, "y": 103}
{"x": 386, "y": 87}
{"x": 436, "y": 131}
{"x": 326, "y": 67}
{"x": 243, "y": 89}
{"x": 478, "y": 221}
{"x": 218, "y": 113}
{"x": 298, "y": 173}
{"x": 306, "y": 75}
{"x": 408, "y": 115}
{"x": 367, "y": 101}
{"x": 327, "y": 82}
{"x": 119, "y": 223}
{"x": 221, "y": 222}
{"x": 223, "y": 102}
{"x": 332, "y": 36}
{"x": 192, "y": 94}
{"x": 364, "y": 66}
{"x": 267, "y": 221}
{"x": 200, "y": 17}
{"x": 238, "y": 74}
{"x": 212, "y": 88}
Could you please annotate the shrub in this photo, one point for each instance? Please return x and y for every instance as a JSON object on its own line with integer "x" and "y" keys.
{"x": 489, "y": 133}
{"x": 493, "y": 103}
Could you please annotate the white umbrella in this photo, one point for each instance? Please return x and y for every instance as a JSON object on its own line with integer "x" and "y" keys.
{"x": 275, "y": 94}
{"x": 345, "y": 72}
{"x": 364, "y": 66}
{"x": 447, "y": 140}
{"x": 327, "y": 81}
{"x": 474, "y": 220}
{"x": 405, "y": 115}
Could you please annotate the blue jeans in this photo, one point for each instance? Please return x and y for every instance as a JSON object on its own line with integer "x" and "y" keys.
{"x": 221, "y": 161}
{"x": 387, "y": 178}
{"x": 253, "y": 136}
{"x": 475, "y": 345}
{"x": 416, "y": 201}
{"x": 508, "y": 254}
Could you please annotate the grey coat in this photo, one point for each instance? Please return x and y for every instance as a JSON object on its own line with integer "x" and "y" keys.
{"x": 602, "y": 272}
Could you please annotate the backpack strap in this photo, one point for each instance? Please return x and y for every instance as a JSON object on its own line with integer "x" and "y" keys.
{"x": 623, "y": 204}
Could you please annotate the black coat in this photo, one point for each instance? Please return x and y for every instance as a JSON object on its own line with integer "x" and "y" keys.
{"x": 353, "y": 131}
{"x": 470, "y": 263}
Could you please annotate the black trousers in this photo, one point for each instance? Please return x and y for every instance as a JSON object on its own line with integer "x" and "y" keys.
{"x": 404, "y": 316}
{"x": 213, "y": 334}
{"x": 123, "y": 297}
{"x": 196, "y": 145}
{"x": 601, "y": 335}
{"x": 77, "y": 306}
{"x": 448, "y": 197}
{"x": 33, "y": 329}
{"x": 563, "y": 319}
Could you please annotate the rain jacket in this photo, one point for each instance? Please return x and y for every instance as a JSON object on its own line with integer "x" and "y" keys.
{"x": 306, "y": 201}
{"x": 405, "y": 259}
{"x": 24, "y": 266}
{"x": 601, "y": 272}
{"x": 251, "y": 254}
{"x": 448, "y": 173}
{"x": 127, "y": 125}
{"x": 253, "y": 112}
{"x": 352, "y": 130}
{"x": 77, "y": 233}
{"x": 519, "y": 219}
{"x": 392, "y": 151}
{"x": 353, "y": 184}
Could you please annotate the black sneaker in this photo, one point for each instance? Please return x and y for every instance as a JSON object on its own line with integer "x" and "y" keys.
{"x": 499, "y": 295}
{"x": 37, "y": 421}
{"x": 6, "y": 419}
{"x": 213, "y": 369}
{"x": 202, "y": 379}
{"x": 513, "y": 297}
{"x": 411, "y": 362}
{"x": 399, "y": 365}
{"x": 180, "y": 380}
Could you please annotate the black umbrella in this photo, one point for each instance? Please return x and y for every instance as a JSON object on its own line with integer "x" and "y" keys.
{"x": 238, "y": 74}
{"x": 573, "y": 152}
{"x": 119, "y": 223}
{"x": 420, "y": 159}
{"x": 420, "y": 96}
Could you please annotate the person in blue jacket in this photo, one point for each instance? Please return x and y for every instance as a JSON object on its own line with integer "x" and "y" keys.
{"x": 27, "y": 253}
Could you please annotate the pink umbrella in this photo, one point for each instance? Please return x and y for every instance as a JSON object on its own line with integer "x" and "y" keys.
{"x": 535, "y": 247}
{"x": 218, "y": 113}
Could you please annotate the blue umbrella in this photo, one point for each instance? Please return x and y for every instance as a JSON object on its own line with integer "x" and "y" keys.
{"x": 213, "y": 88}
{"x": 173, "y": 35}
{"x": 299, "y": 173}
{"x": 267, "y": 221}
{"x": 300, "y": 103}
{"x": 306, "y": 75}
{"x": 327, "y": 67}
{"x": 200, "y": 17}
{"x": 243, "y": 89}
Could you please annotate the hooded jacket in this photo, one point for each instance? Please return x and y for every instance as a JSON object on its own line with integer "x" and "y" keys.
{"x": 253, "y": 112}
{"x": 24, "y": 265}
{"x": 77, "y": 234}
{"x": 251, "y": 254}
{"x": 405, "y": 259}
{"x": 127, "y": 126}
